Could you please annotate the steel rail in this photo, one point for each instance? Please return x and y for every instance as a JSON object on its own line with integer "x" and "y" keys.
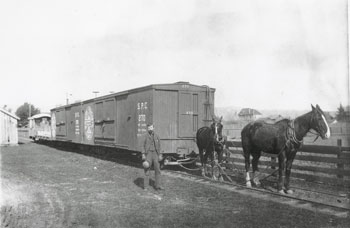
{"x": 261, "y": 190}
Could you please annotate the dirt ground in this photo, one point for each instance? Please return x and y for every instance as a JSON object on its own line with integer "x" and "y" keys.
{"x": 46, "y": 187}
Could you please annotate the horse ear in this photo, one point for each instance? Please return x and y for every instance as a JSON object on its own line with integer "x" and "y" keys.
{"x": 313, "y": 108}
{"x": 318, "y": 107}
{"x": 220, "y": 119}
{"x": 213, "y": 119}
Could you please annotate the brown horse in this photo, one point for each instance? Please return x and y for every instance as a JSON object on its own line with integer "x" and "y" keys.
{"x": 209, "y": 139}
{"x": 283, "y": 138}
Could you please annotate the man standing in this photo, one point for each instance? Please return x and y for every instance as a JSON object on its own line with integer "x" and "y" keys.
{"x": 151, "y": 156}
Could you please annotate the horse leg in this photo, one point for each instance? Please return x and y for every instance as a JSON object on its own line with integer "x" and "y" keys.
{"x": 219, "y": 161}
{"x": 255, "y": 162}
{"x": 220, "y": 152}
{"x": 212, "y": 158}
{"x": 281, "y": 171}
{"x": 288, "y": 171}
{"x": 205, "y": 160}
{"x": 247, "y": 166}
{"x": 202, "y": 161}
{"x": 273, "y": 167}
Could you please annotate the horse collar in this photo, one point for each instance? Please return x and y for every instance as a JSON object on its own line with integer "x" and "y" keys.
{"x": 291, "y": 136}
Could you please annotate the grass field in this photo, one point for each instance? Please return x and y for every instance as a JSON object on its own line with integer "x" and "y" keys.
{"x": 47, "y": 187}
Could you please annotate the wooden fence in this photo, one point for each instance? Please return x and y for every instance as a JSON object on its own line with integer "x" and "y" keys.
{"x": 325, "y": 164}
{"x": 23, "y": 132}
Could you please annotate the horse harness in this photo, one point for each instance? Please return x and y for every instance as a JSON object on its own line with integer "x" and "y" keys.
{"x": 292, "y": 142}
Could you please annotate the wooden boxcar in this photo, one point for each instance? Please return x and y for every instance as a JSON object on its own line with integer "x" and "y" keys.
{"x": 119, "y": 120}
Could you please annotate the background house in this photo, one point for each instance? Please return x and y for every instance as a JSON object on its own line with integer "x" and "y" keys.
{"x": 249, "y": 114}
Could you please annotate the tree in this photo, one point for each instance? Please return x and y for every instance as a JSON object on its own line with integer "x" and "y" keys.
{"x": 23, "y": 112}
{"x": 341, "y": 114}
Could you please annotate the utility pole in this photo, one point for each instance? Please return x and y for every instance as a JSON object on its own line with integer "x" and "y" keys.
{"x": 95, "y": 92}
{"x": 67, "y": 99}
{"x": 30, "y": 110}
{"x": 348, "y": 48}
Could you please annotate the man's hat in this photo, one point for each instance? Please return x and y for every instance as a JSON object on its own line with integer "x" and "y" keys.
{"x": 149, "y": 124}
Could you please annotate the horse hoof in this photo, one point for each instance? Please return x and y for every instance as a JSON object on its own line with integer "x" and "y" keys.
{"x": 281, "y": 192}
{"x": 289, "y": 191}
{"x": 203, "y": 173}
{"x": 257, "y": 183}
{"x": 248, "y": 184}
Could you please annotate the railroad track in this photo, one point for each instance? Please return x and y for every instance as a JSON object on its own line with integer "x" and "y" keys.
{"x": 302, "y": 197}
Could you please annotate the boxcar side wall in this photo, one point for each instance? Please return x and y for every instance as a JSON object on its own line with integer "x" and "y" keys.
{"x": 177, "y": 111}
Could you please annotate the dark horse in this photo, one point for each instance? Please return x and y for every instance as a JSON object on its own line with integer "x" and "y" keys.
{"x": 209, "y": 139}
{"x": 283, "y": 138}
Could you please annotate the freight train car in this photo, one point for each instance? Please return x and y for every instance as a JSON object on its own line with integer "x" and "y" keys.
{"x": 119, "y": 120}
{"x": 40, "y": 126}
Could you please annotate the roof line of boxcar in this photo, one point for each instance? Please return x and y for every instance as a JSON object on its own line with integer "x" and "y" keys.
{"x": 152, "y": 86}
{"x": 40, "y": 115}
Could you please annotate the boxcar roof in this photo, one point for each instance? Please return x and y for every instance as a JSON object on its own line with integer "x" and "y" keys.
{"x": 170, "y": 86}
{"x": 40, "y": 115}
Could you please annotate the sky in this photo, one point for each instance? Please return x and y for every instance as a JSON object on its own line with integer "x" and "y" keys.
{"x": 263, "y": 54}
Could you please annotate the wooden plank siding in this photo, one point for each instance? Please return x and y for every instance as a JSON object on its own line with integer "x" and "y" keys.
{"x": 8, "y": 128}
{"x": 327, "y": 164}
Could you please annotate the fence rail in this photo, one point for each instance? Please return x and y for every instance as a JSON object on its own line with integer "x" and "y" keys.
{"x": 23, "y": 132}
{"x": 327, "y": 164}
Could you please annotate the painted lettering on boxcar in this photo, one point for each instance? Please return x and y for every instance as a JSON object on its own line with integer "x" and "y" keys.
{"x": 89, "y": 123}
{"x": 141, "y": 111}
{"x": 77, "y": 126}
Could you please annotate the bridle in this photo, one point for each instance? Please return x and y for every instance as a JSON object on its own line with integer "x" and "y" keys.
{"x": 314, "y": 121}
{"x": 217, "y": 140}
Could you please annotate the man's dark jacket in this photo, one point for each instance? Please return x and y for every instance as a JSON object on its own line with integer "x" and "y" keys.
{"x": 148, "y": 141}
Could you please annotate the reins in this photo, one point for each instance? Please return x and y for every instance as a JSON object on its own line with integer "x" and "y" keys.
{"x": 317, "y": 135}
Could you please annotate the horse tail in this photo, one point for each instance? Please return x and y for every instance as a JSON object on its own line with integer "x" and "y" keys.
{"x": 246, "y": 142}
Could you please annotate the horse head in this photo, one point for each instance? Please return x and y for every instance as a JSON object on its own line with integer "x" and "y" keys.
{"x": 216, "y": 127}
{"x": 319, "y": 123}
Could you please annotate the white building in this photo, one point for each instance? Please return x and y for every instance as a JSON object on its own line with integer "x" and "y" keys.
{"x": 8, "y": 128}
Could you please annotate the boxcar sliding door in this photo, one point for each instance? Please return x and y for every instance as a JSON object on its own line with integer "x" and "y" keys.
{"x": 61, "y": 130}
{"x": 188, "y": 114}
{"x": 105, "y": 121}
{"x": 109, "y": 120}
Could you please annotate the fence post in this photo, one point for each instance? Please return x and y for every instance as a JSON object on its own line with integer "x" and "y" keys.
{"x": 339, "y": 165}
